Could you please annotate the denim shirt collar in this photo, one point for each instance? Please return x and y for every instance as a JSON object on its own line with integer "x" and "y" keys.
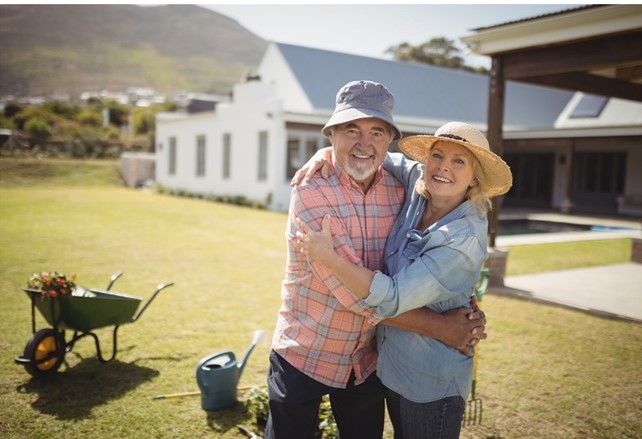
{"x": 415, "y": 216}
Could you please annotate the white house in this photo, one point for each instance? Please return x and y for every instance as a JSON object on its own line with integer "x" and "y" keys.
{"x": 250, "y": 147}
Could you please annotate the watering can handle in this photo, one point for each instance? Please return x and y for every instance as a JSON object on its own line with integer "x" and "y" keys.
{"x": 201, "y": 363}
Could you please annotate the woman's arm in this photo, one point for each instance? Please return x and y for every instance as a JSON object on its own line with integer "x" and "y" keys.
{"x": 311, "y": 210}
{"x": 320, "y": 161}
{"x": 402, "y": 168}
{"x": 431, "y": 278}
{"x": 459, "y": 328}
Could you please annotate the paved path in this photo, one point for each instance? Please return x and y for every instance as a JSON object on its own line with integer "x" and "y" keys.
{"x": 608, "y": 290}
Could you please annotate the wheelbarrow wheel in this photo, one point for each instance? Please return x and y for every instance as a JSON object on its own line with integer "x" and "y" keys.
{"x": 45, "y": 352}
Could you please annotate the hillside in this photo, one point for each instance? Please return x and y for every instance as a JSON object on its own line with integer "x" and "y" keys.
{"x": 74, "y": 48}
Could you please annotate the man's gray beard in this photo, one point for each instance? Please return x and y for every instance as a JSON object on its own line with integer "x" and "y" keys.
{"x": 359, "y": 173}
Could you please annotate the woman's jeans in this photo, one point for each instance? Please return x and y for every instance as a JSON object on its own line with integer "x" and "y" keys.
{"x": 294, "y": 400}
{"x": 431, "y": 420}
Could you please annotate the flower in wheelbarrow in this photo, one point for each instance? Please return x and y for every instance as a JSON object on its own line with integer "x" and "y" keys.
{"x": 52, "y": 284}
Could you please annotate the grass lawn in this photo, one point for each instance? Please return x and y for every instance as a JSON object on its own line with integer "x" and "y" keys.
{"x": 544, "y": 372}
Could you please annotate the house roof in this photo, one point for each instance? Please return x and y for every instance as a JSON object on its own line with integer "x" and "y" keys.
{"x": 537, "y": 17}
{"x": 421, "y": 91}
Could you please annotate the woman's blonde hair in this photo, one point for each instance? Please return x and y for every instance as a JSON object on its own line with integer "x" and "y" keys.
{"x": 475, "y": 194}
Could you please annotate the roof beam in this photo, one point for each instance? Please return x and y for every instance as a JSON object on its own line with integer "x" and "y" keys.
{"x": 593, "y": 84}
{"x": 585, "y": 55}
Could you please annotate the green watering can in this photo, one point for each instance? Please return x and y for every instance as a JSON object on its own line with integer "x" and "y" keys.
{"x": 218, "y": 375}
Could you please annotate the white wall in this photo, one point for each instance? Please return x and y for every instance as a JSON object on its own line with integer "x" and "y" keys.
{"x": 274, "y": 70}
{"x": 254, "y": 109}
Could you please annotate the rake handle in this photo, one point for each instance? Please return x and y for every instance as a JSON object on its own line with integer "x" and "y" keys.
{"x": 193, "y": 393}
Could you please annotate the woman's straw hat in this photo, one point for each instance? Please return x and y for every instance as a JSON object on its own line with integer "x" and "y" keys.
{"x": 497, "y": 175}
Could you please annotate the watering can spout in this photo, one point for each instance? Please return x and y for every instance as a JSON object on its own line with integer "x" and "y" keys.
{"x": 257, "y": 338}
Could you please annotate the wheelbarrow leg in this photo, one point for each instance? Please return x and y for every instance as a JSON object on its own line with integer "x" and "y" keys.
{"x": 99, "y": 353}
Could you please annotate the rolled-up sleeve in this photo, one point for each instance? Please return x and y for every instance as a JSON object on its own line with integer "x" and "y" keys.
{"x": 435, "y": 275}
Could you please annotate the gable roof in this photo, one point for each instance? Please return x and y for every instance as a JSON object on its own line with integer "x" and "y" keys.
{"x": 421, "y": 91}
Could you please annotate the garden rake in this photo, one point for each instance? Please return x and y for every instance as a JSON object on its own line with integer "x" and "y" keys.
{"x": 474, "y": 406}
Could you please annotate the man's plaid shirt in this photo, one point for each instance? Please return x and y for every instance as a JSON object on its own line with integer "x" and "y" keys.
{"x": 321, "y": 329}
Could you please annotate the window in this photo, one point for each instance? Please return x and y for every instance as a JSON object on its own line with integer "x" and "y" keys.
{"x": 600, "y": 172}
{"x": 294, "y": 161}
{"x": 227, "y": 145}
{"x": 301, "y": 147}
{"x": 589, "y": 106}
{"x": 598, "y": 179}
{"x": 200, "y": 156}
{"x": 172, "y": 156}
{"x": 533, "y": 177}
{"x": 263, "y": 151}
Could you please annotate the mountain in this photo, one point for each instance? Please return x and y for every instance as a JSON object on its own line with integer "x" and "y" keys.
{"x": 48, "y": 49}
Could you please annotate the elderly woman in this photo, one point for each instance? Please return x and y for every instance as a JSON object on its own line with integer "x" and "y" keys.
{"x": 433, "y": 258}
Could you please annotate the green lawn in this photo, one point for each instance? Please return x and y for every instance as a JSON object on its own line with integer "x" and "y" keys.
{"x": 544, "y": 372}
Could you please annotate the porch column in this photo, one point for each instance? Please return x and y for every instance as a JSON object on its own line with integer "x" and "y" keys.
{"x": 567, "y": 204}
{"x": 497, "y": 86}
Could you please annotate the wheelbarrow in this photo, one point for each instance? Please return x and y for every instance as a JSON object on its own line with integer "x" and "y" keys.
{"x": 83, "y": 311}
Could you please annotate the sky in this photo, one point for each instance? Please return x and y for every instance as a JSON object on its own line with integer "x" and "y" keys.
{"x": 369, "y": 29}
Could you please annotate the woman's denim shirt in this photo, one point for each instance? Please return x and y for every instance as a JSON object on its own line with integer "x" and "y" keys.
{"x": 437, "y": 268}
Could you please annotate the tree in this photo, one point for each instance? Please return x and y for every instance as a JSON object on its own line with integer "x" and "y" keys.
{"x": 118, "y": 113}
{"x": 38, "y": 130}
{"x": 62, "y": 109}
{"x": 439, "y": 51}
{"x": 90, "y": 116}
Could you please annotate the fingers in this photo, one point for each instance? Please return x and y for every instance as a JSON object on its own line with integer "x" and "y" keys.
{"x": 479, "y": 332}
{"x": 477, "y": 315}
{"x": 296, "y": 179}
{"x": 325, "y": 170}
{"x": 305, "y": 174}
{"x": 316, "y": 165}
{"x": 325, "y": 225}
{"x": 474, "y": 305}
{"x": 304, "y": 229}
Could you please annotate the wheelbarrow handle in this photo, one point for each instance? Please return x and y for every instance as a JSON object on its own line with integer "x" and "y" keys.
{"x": 159, "y": 288}
{"x": 113, "y": 279}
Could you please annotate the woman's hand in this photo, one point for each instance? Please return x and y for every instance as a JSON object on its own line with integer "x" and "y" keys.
{"x": 317, "y": 246}
{"x": 305, "y": 174}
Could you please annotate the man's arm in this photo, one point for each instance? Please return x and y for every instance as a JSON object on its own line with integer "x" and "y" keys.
{"x": 459, "y": 328}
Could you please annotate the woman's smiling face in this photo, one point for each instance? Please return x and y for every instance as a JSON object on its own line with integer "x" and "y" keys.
{"x": 449, "y": 171}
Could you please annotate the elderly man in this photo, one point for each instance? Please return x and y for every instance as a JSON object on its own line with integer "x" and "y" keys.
{"x": 323, "y": 342}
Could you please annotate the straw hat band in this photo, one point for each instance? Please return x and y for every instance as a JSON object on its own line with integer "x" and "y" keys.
{"x": 452, "y": 136}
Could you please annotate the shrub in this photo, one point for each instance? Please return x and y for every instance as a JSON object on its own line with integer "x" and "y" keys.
{"x": 256, "y": 402}
{"x": 38, "y": 128}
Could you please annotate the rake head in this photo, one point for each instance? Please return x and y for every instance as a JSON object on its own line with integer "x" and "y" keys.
{"x": 473, "y": 413}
